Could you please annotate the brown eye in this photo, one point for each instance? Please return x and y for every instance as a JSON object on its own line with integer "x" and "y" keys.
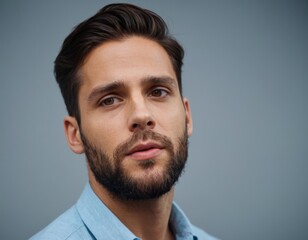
{"x": 109, "y": 101}
{"x": 159, "y": 92}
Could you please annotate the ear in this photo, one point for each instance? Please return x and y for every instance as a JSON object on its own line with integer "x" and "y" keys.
{"x": 189, "y": 121}
{"x": 72, "y": 133}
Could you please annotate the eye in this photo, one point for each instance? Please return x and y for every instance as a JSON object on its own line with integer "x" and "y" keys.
{"x": 109, "y": 101}
{"x": 159, "y": 92}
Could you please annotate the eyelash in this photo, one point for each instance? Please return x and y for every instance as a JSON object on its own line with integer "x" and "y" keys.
{"x": 103, "y": 101}
{"x": 162, "y": 95}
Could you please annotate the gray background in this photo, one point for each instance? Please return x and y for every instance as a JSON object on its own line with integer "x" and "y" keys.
{"x": 245, "y": 74}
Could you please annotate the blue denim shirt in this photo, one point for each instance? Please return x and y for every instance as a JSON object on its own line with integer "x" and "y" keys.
{"x": 90, "y": 219}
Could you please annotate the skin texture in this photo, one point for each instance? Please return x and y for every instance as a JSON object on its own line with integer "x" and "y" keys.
{"x": 129, "y": 86}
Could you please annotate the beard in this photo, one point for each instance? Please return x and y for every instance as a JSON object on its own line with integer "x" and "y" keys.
{"x": 111, "y": 174}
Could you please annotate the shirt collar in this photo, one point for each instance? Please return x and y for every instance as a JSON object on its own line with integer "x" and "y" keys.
{"x": 100, "y": 221}
{"x": 180, "y": 224}
{"x": 103, "y": 224}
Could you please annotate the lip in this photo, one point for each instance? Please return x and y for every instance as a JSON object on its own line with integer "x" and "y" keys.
{"x": 144, "y": 151}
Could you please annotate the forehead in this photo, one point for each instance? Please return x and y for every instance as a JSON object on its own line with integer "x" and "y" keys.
{"x": 127, "y": 60}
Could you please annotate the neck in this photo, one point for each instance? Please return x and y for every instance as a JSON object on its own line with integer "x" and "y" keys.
{"x": 147, "y": 219}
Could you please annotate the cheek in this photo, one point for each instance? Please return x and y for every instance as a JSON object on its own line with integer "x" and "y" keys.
{"x": 172, "y": 121}
{"x": 105, "y": 134}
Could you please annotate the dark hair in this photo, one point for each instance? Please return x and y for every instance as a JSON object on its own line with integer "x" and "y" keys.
{"x": 113, "y": 22}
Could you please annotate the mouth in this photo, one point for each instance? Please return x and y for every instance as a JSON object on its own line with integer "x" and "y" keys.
{"x": 145, "y": 151}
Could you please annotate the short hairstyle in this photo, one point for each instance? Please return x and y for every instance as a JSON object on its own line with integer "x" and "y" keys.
{"x": 112, "y": 22}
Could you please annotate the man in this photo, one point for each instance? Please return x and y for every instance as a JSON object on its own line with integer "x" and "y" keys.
{"x": 120, "y": 75}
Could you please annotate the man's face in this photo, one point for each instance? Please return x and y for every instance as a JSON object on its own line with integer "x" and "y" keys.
{"x": 134, "y": 123}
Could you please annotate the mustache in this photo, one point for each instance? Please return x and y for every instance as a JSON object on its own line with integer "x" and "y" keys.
{"x": 145, "y": 135}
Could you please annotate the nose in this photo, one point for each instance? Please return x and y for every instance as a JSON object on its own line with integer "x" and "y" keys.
{"x": 141, "y": 117}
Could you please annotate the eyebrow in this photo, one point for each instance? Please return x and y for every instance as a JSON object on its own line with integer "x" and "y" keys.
{"x": 159, "y": 80}
{"x": 111, "y": 87}
{"x": 117, "y": 85}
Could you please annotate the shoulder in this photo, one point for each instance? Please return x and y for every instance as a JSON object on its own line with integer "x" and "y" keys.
{"x": 67, "y": 226}
{"x": 201, "y": 235}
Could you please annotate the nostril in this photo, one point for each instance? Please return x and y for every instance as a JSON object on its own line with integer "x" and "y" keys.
{"x": 147, "y": 124}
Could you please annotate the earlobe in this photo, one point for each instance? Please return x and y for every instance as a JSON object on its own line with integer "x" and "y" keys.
{"x": 189, "y": 121}
{"x": 72, "y": 134}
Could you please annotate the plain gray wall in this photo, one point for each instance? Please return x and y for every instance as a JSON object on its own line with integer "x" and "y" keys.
{"x": 245, "y": 73}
